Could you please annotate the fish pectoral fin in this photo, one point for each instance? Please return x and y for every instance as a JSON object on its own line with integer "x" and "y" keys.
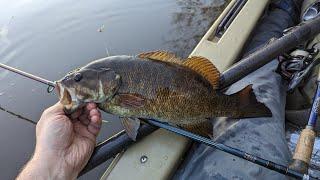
{"x": 131, "y": 100}
{"x": 131, "y": 126}
{"x": 161, "y": 56}
{"x": 205, "y": 68}
{"x": 203, "y": 128}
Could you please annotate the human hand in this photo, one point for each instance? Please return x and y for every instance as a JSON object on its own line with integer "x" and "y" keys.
{"x": 63, "y": 145}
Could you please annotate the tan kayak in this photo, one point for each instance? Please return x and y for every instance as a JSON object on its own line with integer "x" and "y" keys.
{"x": 159, "y": 154}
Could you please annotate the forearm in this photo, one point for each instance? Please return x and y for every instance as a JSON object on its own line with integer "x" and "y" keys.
{"x": 40, "y": 169}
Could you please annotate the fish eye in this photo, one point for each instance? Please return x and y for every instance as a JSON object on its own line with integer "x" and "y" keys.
{"x": 77, "y": 77}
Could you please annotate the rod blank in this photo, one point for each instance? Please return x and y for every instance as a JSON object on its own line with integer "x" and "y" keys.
{"x": 28, "y": 75}
{"x": 264, "y": 55}
{"x": 230, "y": 150}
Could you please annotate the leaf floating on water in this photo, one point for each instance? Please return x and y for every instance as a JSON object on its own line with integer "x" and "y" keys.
{"x": 101, "y": 28}
{"x": 105, "y": 121}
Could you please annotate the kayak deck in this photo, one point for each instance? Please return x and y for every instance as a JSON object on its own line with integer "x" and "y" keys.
{"x": 159, "y": 154}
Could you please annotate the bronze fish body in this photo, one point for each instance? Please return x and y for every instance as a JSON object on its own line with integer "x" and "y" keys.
{"x": 165, "y": 89}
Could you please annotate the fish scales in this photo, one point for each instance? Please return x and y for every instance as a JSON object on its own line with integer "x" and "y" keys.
{"x": 168, "y": 88}
{"x": 158, "y": 86}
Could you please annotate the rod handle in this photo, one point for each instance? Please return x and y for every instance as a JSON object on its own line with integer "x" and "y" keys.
{"x": 303, "y": 151}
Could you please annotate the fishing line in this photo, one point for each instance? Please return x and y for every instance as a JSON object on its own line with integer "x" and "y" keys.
{"x": 51, "y": 87}
{"x": 18, "y": 115}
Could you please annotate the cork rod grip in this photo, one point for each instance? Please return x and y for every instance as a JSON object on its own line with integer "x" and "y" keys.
{"x": 303, "y": 151}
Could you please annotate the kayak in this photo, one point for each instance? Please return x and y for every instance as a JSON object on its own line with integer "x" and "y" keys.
{"x": 159, "y": 154}
{"x": 164, "y": 155}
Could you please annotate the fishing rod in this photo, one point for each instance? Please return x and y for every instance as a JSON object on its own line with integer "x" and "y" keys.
{"x": 230, "y": 150}
{"x": 297, "y": 35}
{"x": 103, "y": 151}
{"x": 51, "y": 84}
{"x": 304, "y": 148}
{"x": 292, "y": 37}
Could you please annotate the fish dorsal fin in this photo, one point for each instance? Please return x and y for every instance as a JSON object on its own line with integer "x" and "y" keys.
{"x": 205, "y": 68}
{"x": 161, "y": 56}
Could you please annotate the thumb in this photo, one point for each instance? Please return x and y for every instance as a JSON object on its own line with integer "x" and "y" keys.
{"x": 56, "y": 109}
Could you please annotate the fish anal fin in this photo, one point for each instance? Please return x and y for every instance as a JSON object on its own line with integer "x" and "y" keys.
{"x": 161, "y": 56}
{"x": 205, "y": 68}
{"x": 131, "y": 126}
{"x": 131, "y": 100}
{"x": 249, "y": 106}
{"x": 203, "y": 128}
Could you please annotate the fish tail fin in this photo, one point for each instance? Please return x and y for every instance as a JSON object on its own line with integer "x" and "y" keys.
{"x": 204, "y": 128}
{"x": 250, "y": 107}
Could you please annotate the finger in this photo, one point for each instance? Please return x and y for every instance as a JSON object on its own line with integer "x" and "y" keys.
{"x": 89, "y": 112}
{"x": 76, "y": 114}
{"x": 84, "y": 119}
{"x": 94, "y": 112}
{"x": 95, "y": 122}
{"x": 83, "y": 131}
{"x": 56, "y": 108}
{"x": 91, "y": 106}
{"x": 94, "y": 130}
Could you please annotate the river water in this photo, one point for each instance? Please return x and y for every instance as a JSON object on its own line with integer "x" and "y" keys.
{"x": 50, "y": 38}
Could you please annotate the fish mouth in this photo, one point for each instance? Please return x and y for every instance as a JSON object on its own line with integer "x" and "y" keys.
{"x": 67, "y": 98}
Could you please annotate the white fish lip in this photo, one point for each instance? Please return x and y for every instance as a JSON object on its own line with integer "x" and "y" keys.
{"x": 68, "y": 98}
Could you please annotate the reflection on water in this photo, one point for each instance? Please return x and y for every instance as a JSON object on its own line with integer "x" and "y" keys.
{"x": 183, "y": 37}
{"x": 50, "y": 38}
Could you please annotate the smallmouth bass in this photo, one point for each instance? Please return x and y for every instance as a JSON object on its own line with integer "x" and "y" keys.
{"x": 157, "y": 85}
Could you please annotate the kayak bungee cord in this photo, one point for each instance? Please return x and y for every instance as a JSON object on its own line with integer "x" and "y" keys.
{"x": 51, "y": 84}
{"x": 230, "y": 150}
{"x": 304, "y": 147}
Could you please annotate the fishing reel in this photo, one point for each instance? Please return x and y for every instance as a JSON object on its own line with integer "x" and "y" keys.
{"x": 312, "y": 11}
{"x": 297, "y": 65}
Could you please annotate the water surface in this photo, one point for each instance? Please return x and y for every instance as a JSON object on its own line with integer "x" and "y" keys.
{"x": 50, "y": 38}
